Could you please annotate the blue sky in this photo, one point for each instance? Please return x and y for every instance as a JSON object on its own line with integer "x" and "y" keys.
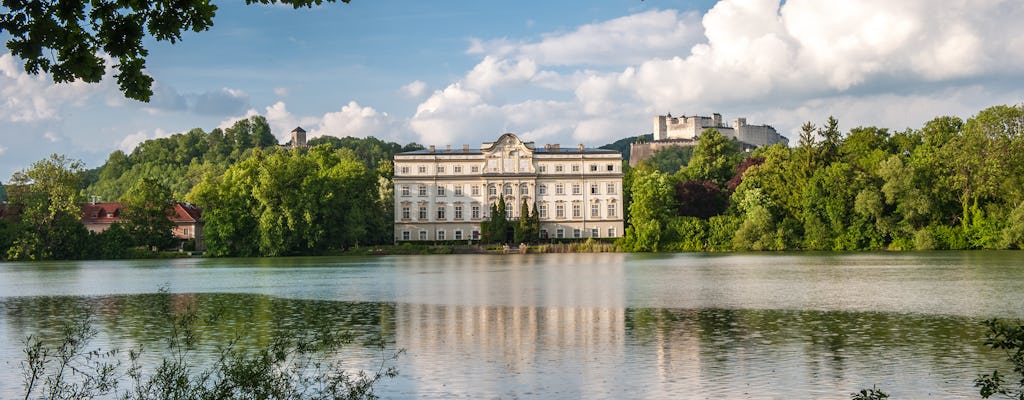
{"x": 569, "y": 72}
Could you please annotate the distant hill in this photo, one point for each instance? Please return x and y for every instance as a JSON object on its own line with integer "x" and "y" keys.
{"x": 622, "y": 145}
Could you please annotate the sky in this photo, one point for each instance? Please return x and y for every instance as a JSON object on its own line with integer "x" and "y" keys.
{"x": 569, "y": 72}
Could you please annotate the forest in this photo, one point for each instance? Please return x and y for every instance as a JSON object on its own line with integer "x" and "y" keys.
{"x": 952, "y": 184}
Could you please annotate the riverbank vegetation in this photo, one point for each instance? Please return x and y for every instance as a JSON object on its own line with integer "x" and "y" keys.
{"x": 951, "y": 184}
{"x": 292, "y": 362}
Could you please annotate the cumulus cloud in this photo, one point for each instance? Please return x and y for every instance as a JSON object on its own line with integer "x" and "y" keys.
{"x": 414, "y": 89}
{"x": 33, "y": 98}
{"x": 868, "y": 59}
{"x": 3, "y": 150}
{"x": 281, "y": 91}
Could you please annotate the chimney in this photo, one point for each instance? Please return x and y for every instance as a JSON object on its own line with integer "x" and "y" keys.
{"x": 432, "y": 148}
{"x": 448, "y": 148}
{"x": 465, "y": 148}
{"x": 581, "y": 147}
{"x": 556, "y": 146}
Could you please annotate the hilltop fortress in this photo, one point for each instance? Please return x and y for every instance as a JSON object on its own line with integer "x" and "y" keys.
{"x": 683, "y": 131}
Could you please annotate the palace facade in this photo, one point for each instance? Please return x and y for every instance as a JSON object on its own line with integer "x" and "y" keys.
{"x": 444, "y": 194}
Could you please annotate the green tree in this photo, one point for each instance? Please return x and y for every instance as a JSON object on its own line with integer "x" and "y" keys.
{"x": 47, "y": 196}
{"x": 714, "y": 158}
{"x": 147, "y": 209}
{"x": 1010, "y": 339}
{"x": 68, "y": 39}
{"x": 650, "y": 209}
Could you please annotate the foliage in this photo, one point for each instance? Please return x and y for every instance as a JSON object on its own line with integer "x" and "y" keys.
{"x": 47, "y": 196}
{"x": 495, "y": 230}
{"x": 146, "y": 210}
{"x": 289, "y": 202}
{"x": 949, "y": 185}
{"x": 869, "y": 394}
{"x": 71, "y": 39}
{"x": 671, "y": 159}
{"x": 650, "y": 209}
{"x": 291, "y": 366}
{"x": 1010, "y": 339}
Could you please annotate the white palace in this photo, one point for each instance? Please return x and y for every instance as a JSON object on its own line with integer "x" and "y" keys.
{"x": 444, "y": 194}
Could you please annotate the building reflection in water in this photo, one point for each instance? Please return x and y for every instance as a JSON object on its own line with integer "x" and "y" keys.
{"x": 512, "y": 321}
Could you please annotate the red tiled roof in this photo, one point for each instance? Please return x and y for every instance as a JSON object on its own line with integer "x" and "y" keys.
{"x": 185, "y": 212}
{"x": 101, "y": 213}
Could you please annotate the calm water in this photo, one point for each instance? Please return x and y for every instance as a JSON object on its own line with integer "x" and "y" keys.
{"x": 570, "y": 326}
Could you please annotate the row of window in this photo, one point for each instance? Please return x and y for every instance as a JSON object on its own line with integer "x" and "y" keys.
{"x": 542, "y": 209}
{"x": 475, "y": 169}
{"x": 492, "y": 190}
{"x": 560, "y": 233}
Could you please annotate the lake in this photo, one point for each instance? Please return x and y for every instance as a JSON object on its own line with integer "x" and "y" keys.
{"x": 748, "y": 326}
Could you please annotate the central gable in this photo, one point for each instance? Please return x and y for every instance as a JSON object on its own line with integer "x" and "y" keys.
{"x": 508, "y": 155}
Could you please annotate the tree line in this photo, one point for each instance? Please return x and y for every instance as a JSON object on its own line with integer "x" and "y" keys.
{"x": 258, "y": 198}
{"x": 951, "y": 184}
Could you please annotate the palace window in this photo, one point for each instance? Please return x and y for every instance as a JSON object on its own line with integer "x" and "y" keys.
{"x": 423, "y": 213}
{"x": 458, "y": 235}
{"x": 559, "y": 188}
{"x": 576, "y": 212}
{"x": 458, "y": 190}
{"x": 611, "y": 167}
{"x": 475, "y": 169}
{"x": 559, "y": 211}
{"x": 440, "y": 190}
{"x": 542, "y": 190}
{"x": 423, "y": 190}
{"x": 559, "y": 233}
{"x": 576, "y": 233}
{"x": 458, "y": 169}
{"x": 611, "y": 232}
{"x": 575, "y": 168}
{"x": 458, "y": 213}
{"x": 611, "y": 210}
{"x": 440, "y": 169}
{"x": 593, "y": 188}
{"x": 611, "y": 188}
{"x": 422, "y": 169}
{"x": 595, "y": 210}
{"x": 405, "y": 191}
{"x": 475, "y": 210}
{"x": 595, "y": 232}
{"x": 405, "y": 235}
{"x": 476, "y": 234}
{"x": 576, "y": 189}
{"x": 440, "y": 234}
{"x": 492, "y": 190}
{"x": 440, "y": 213}
{"x": 542, "y": 169}
{"x": 405, "y": 170}
{"x": 543, "y": 210}
{"x": 524, "y": 190}
{"x": 508, "y": 190}
{"x": 559, "y": 168}
{"x": 423, "y": 235}
{"x": 593, "y": 167}
{"x": 475, "y": 190}
{"x": 405, "y": 212}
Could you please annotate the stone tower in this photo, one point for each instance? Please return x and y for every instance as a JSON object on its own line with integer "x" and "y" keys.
{"x": 298, "y": 137}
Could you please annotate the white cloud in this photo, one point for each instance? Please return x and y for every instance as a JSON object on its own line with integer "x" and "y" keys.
{"x": 354, "y": 120}
{"x": 3, "y": 150}
{"x": 625, "y": 40}
{"x": 281, "y": 91}
{"x": 32, "y": 98}
{"x": 872, "y": 57}
{"x": 414, "y": 89}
